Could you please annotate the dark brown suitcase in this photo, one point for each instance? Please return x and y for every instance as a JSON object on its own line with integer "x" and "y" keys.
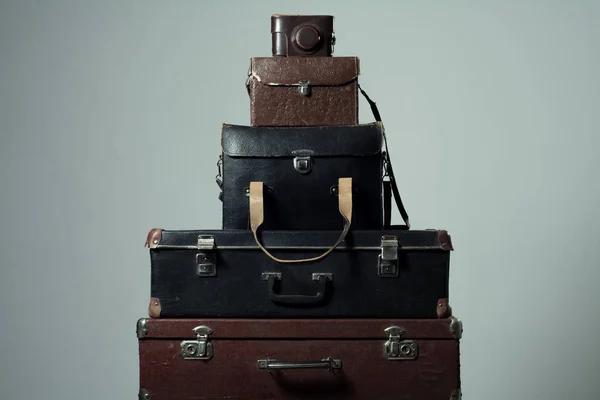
{"x": 303, "y": 91}
{"x": 374, "y": 359}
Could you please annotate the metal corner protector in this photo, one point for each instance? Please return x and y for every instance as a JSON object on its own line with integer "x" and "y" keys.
{"x": 142, "y": 328}
{"x": 154, "y": 308}
{"x": 153, "y": 238}
{"x": 456, "y": 328}
{"x": 445, "y": 240}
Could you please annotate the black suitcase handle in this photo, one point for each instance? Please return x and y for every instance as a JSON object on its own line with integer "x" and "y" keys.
{"x": 297, "y": 299}
{"x": 257, "y": 216}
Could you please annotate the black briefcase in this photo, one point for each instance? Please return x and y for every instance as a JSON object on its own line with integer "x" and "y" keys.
{"x": 299, "y": 169}
{"x": 369, "y": 274}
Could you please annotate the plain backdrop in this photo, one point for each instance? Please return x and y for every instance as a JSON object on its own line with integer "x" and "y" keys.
{"x": 110, "y": 115}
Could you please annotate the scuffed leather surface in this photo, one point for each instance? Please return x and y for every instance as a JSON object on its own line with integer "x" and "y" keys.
{"x": 326, "y": 71}
{"x": 297, "y": 201}
{"x": 272, "y": 328}
{"x": 334, "y": 91}
{"x": 356, "y": 291}
{"x": 249, "y": 141}
{"x": 232, "y": 372}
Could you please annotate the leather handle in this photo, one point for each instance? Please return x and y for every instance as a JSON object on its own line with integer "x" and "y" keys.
{"x": 298, "y": 299}
{"x": 257, "y": 216}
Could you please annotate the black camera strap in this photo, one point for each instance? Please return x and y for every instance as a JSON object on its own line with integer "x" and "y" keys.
{"x": 389, "y": 186}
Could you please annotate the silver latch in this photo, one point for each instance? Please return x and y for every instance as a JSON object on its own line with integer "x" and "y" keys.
{"x": 304, "y": 87}
{"x": 206, "y": 261}
{"x": 396, "y": 348}
{"x": 387, "y": 265}
{"x": 302, "y": 161}
{"x": 199, "y": 349}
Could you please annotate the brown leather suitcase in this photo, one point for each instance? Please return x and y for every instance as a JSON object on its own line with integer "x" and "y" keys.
{"x": 370, "y": 359}
{"x": 303, "y": 91}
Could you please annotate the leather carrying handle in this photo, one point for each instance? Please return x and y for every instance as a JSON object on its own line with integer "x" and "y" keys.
{"x": 298, "y": 299}
{"x": 257, "y": 216}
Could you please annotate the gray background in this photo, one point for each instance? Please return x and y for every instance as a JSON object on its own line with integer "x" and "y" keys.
{"x": 110, "y": 116}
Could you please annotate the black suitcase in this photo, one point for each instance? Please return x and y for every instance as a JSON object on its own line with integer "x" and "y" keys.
{"x": 370, "y": 274}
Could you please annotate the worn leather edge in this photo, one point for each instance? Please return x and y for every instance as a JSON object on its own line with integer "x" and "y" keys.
{"x": 228, "y": 130}
{"x": 445, "y": 240}
{"x": 443, "y": 309}
{"x": 287, "y": 63}
{"x": 153, "y": 239}
{"x": 342, "y": 83}
{"x": 154, "y": 309}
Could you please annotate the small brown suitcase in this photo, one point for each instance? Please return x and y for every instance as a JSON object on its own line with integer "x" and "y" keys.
{"x": 303, "y": 91}
{"x": 370, "y": 359}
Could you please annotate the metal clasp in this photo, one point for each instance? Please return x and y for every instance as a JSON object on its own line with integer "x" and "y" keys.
{"x": 199, "y": 349}
{"x": 396, "y": 348}
{"x": 206, "y": 261}
{"x": 303, "y": 161}
{"x": 387, "y": 265}
{"x": 304, "y": 87}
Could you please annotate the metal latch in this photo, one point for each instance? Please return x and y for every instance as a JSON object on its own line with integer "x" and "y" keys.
{"x": 304, "y": 87}
{"x": 396, "y": 348}
{"x": 302, "y": 161}
{"x": 199, "y": 349}
{"x": 387, "y": 265}
{"x": 206, "y": 260}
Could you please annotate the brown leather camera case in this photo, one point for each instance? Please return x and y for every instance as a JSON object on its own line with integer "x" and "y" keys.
{"x": 303, "y": 91}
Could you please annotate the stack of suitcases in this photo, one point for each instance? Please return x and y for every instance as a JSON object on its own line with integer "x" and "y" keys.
{"x": 308, "y": 291}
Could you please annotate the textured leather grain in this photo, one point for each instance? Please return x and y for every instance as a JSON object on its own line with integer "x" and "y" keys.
{"x": 275, "y": 100}
{"x": 232, "y": 372}
{"x": 239, "y": 290}
{"x": 294, "y": 200}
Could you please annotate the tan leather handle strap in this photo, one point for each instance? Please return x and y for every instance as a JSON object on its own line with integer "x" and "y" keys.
{"x": 257, "y": 216}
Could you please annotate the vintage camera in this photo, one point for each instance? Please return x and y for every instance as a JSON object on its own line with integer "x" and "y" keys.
{"x": 302, "y": 35}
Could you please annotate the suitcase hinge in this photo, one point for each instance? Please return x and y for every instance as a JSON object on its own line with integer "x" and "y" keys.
{"x": 396, "y": 348}
{"x": 304, "y": 87}
{"x": 456, "y": 327}
{"x": 199, "y": 349}
{"x": 144, "y": 395}
{"x": 456, "y": 394}
{"x": 387, "y": 266}
{"x": 206, "y": 260}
